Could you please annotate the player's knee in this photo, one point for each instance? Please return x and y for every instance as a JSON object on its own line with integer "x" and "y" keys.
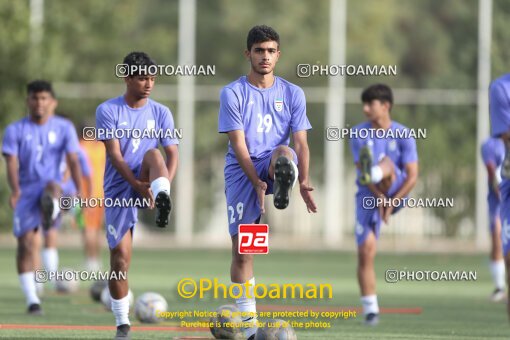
{"x": 52, "y": 189}
{"x": 283, "y": 150}
{"x": 25, "y": 246}
{"x": 366, "y": 255}
{"x": 153, "y": 156}
{"x": 119, "y": 264}
{"x": 120, "y": 261}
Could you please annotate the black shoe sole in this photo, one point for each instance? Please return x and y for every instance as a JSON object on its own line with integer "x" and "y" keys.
{"x": 164, "y": 205}
{"x": 365, "y": 162}
{"x": 35, "y": 310}
{"x": 284, "y": 176}
{"x": 372, "y": 319}
{"x": 47, "y": 211}
{"x": 123, "y": 332}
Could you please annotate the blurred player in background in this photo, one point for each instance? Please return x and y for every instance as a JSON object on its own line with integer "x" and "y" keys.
{"x": 135, "y": 168}
{"x": 387, "y": 168}
{"x": 33, "y": 148}
{"x": 68, "y": 189}
{"x": 92, "y": 186}
{"x": 493, "y": 153}
{"x": 259, "y": 112}
{"x": 499, "y": 105}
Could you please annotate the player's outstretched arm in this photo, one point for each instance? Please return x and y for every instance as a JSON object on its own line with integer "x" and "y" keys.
{"x": 238, "y": 143}
{"x": 303, "y": 155}
{"x": 172, "y": 160}
{"x": 12, "y": 177}
{"x": 75, "y": 168}
{"x": 113, "y": 151}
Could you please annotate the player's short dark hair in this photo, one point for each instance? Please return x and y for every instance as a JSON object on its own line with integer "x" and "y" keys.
{"x": 140, "y": 59}
{"x": 381, "y": 92}
{"x": 37, "y": 86}
{"x": 261, "y": 33}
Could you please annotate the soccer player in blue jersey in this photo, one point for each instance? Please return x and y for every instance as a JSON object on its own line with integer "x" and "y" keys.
{"x": 33, "y": 148}
{"x": 259, "y": 112}
{"x": 499, "y": 102}
{"x": 493, "y": 152}
{"x": 387, "y": 168}
{"x": 135, "y": 168}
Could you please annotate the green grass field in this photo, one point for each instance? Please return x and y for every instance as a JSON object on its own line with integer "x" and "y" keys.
{"x": 458, "y": 310}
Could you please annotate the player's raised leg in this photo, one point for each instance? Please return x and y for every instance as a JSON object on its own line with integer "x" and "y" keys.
{"x": 154, "y": 171}
{"x": 25, "y": 255}
{"x": 372, "y": 173}
{"x": 50, "y": 207}
{"x": 283, "y": 170}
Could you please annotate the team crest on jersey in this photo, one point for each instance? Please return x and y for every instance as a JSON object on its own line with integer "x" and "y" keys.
{"x": 359, "y": 229}
{"x": 392, "y": 145}
{"x": 17, "y": 227}
{"x": 278, "y": 104}
{"x": 52, "y": 137}
{"x": 151, "y": 124}
{"x": 505, "y": 232}
{"x": 112, "y": 231}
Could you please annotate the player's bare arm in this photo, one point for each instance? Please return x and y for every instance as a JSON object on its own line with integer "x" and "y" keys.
{"x": 303, "y": 155}
{"x": 12, "y": 177}
{"x": 76, "y": 174}
{"x": 172, "y": 160}
{"x": 238, "y": 143}
{"x": 113, "y": 151}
